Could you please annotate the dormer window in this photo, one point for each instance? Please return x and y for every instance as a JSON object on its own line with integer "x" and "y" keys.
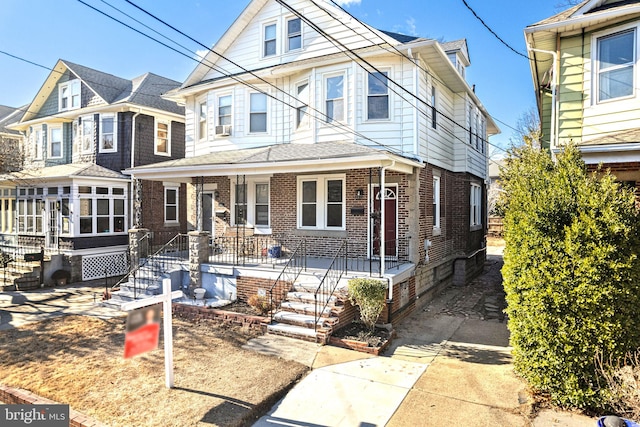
{"x": 294, "y": 34}
{"x": 69, "y": 95}
{"x": 269, "y": 40}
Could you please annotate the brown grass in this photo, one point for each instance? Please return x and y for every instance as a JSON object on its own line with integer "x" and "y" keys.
{"x": 78, "y": 360}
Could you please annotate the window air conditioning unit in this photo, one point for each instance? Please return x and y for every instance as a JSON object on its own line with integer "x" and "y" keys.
{"x": 224, "y": 130}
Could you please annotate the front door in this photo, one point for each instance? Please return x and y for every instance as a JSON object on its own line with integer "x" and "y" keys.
{"x": 390, "y": 221}
{"x": 52, "y": 229}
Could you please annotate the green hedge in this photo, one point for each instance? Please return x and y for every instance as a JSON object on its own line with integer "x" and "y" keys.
{"x": 571, "y": 272}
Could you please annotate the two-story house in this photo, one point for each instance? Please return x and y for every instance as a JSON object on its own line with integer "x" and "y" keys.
{"x": 11, "y": 141}
{"x": 585, "y": 73}
{"x": 303, "y": 123}
{"x": 82, "y": 129}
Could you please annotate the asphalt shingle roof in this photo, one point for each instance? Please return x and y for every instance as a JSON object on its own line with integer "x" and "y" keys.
{"x": 9, "y": 115}
{"x": 71, "y": 170}
{"x": 626, "y": 137}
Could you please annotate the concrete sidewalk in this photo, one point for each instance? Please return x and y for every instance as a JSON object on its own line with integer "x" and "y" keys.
{"x": 450, "y": 365}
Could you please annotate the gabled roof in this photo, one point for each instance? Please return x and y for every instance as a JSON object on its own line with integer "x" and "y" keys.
{"x": 457, "y": 46}
{"x": 8, "y": 116}
{"x": 145, "y": 90}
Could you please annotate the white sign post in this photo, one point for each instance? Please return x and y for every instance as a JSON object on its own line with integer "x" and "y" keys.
{"x": 165, "y": 299}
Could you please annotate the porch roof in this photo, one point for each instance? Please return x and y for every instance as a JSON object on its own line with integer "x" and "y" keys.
{"x": 66, "y": 171}
{"x": 280, "y": 158}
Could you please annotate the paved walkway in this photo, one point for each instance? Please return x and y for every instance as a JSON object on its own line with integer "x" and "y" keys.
{"x": 19, "y": 308}
{"x": 450, "y": 365}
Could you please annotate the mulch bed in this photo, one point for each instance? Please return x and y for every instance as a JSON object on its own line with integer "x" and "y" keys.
{"x": 357, "y": 331}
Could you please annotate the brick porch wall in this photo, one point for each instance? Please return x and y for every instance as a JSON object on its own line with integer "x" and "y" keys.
{"x": 247, "y": 286}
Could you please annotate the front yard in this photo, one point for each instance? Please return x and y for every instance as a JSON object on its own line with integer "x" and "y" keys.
{"x": 78, "y": 360}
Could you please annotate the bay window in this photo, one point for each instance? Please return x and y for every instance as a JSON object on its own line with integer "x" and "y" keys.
{"x": 258, "y": 113}
{"x": 334, "y": 98}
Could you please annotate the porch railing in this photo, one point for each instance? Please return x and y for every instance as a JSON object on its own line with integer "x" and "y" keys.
{"x": 296, "y": 263}
{"x": 147, "y": 271}
{"x": 254, "y": 249}
{"x": 329, "y": 283}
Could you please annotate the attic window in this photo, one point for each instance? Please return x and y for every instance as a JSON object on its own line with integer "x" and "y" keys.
{"x": 269, "y": 40}
{"x": 69, "y": 95}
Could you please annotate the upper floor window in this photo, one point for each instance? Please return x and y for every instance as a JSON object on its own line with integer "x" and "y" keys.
{"x": 86, "y": 130}
{"x": 69, "y": 95}
{"x": 335, "y": 98}
{"x": 108, "y": 139}
{"x": 302, "y": 117}
{"x": 258, "y": 113}
{"x": 55, "y": 142}
{"x": 470, "y": 124}
{"x": 224, "y": 110}
{"x": 202, "y": 120}
{"x": 38, "y": 141}
{"x": 434, "y": 110}
{"x": 294, "y": 34}
{"x": 163, "y": 138}
{"x": 615, "y": 67}
{"x": 269, "y": 40}
{"x": 377, "y": 96}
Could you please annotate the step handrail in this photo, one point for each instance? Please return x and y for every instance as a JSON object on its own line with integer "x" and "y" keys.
{"x": 291, "y": 270}
{"x": 330, "y": 280}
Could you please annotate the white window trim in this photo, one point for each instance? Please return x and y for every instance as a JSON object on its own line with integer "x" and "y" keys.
{"x": 114, "y": 116}
{"x": 345, "y": 92}
{"x": 437, "y": 188}
{"x": 71, "y": 86}
{"x": 433, "y": 101}
{"x": 321, "y": 201}
{"x": 82, "y": 135}
{"x": 155, "y": 139}
{"x": 263, "y": 40}
{"x": 300, "y": 103}
{"x": 39, "y": 142}
{"x": 475, "y": 200}
{"x": 366, "y": 97}
{"x": 286, "y": 34}
{"x": 198, "y": 119}
{"x": 595, "y": 88}
{"x": 176, "y": 188}
{"x": 50, "y": 142}
{"x": 249, "y": 131}
{"x": 93, "y": 197}
{"x": 251, "y": 204}
{"x": 217, "y": 108}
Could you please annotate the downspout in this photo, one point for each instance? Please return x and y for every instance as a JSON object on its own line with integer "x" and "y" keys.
{"x": 133, "y": 178}
{"x": 553, "y": 119}
{"x": 383, "y": 253}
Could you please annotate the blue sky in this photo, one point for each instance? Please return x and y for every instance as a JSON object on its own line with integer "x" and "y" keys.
{"x": 42, "y": 31}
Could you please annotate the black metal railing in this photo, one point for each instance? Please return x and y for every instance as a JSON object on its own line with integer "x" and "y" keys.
{"x": 296, "y": 263}
{"x": 147, "y": 271}
{"x": 243, "y": 250}
{"x": 330, "y": 281}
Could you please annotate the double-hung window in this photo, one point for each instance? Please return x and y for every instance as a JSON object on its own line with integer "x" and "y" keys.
{"x": 321, "y": 202}
{"x": 269, "y": 40}
{"x": 436, "y": 202}
{"x": 224, "y": 110}
{"x": 334, "y": 98}
{"x": 38, "y": 141}
{"x": 476, "y": 206}
{"x": 108, "y": 128}
{"x": 470, "y": 124}
{"x": 251, "y": 203}
{"x": 434, "y": 108}
{"x": 171, "y": 204}
{"x": 163, "y": 138}
{"x": 69, "y": 95}
{"x": 258, "y": 113}
{"x": 55, "y": 142}
{"x": 202, "y": 120}
{"x": 302, "y": 117}
{"x": 616, "y": 57}
{"x": 87, "y": 133}
{"x": 262, "y": 204}
{"x": 377, "y": 96}
{"x": 294, "y": 34}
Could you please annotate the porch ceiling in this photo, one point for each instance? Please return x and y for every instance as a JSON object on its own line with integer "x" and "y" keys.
{"x": 281, "y": 158}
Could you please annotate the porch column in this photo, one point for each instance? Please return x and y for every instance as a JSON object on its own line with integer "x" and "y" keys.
{"x": 198, "y": 254}
{"x": 137, "y": 203}
{"x": 138, "y": 246}
{"x": 199, "y": 220}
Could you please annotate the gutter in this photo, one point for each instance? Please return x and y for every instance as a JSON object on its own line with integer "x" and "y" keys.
{"x": 554, "y": 77}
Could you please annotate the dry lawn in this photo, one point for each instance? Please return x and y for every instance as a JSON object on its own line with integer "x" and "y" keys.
{"x": 78, "y": 360}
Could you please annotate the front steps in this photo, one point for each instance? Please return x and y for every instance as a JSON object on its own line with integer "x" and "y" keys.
{"x": 296, "y": 315}
{"x": 21, "y": 276}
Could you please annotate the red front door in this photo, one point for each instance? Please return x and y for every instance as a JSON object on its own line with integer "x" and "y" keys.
{"x": 390, "y": 221}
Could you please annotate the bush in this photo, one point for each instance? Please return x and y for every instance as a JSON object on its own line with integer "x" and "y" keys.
{"x": 571, "y": 272}
{"x": 370, "y": 295}
{"x": 259, "y": 303}
{"x": 622, "y": 379}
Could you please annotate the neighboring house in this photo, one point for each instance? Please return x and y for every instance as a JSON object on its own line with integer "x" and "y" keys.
{"x": 82, "y": 129}
{"x": 291, "y": 137}
{"x": 11, "y": 141}
{"x": 585, "y": 72}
